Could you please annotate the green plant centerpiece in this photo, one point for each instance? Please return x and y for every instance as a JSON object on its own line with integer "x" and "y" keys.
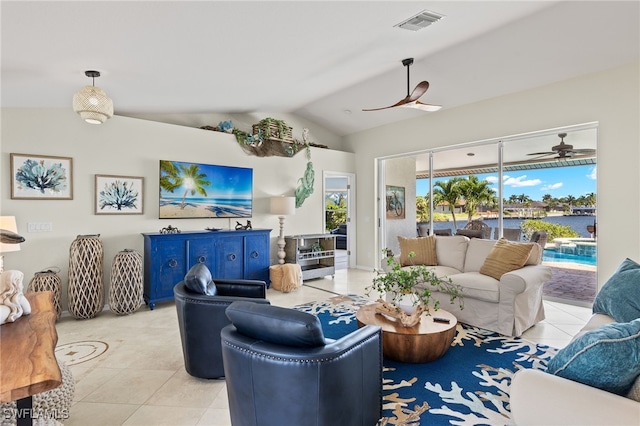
{"x": 401, "y": 284}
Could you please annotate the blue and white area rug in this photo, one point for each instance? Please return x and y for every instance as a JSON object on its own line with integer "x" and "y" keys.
{"x": 469, "y": 385}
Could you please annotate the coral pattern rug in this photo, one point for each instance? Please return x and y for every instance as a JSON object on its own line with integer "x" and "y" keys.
{"x": 469, "y": 385}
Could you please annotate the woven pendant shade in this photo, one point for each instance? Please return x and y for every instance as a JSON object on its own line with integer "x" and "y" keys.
{"x": 93, "y": 105}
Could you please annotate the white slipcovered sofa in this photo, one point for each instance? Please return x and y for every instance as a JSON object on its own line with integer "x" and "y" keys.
{"x": 540, "y": 398}
{"x": 508, "y": 306}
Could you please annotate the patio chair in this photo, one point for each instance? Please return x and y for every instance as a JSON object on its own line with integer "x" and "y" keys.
{"x": 479, "y": 225}
{"x": 511, "y": 234}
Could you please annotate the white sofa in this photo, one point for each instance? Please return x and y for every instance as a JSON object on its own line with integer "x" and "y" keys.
{"x": 508, "y": 306}
{"x": 540, "y": 398}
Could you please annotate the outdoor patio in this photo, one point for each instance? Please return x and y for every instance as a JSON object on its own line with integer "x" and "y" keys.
{"x": 571, "y": 283}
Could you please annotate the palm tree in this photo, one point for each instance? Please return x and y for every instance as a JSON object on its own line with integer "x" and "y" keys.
{"x": 449, "y": 192}
{"x": 513, "y": 199}
{"x": 169, "y": 175}
{"x": 192, "y": 180}
{"x": 474, "y": 193}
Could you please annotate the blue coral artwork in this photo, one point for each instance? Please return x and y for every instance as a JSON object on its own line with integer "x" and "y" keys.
{"x": 119, "y": 194}
{"x": 41, "y": 177}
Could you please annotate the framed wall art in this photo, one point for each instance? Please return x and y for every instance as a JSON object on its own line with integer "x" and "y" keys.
{"x": 41, "y": 177}
{"x": 395, "y": 202}
{"x": 195, "y": 190}
{"x": 119, "y": 194}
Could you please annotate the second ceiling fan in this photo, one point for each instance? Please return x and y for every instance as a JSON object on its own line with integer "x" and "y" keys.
{"x": 411, "y": 100}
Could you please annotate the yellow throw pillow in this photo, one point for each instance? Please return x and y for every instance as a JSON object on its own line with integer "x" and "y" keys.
{"x": 423, "y": 247}
{"x": 505, "y": 257}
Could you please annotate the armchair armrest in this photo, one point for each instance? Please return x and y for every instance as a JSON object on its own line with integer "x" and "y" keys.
{"x": 539, "y": 398}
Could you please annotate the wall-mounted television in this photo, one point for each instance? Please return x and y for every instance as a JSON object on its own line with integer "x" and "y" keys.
{"x": 194, "y": 190}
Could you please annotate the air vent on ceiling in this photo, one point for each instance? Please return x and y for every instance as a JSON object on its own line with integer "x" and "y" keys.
{"x": 419, "y": 21}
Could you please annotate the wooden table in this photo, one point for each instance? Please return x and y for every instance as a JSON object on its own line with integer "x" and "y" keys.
{"x": 27, "y": 355}
{"x": 424, "y": 342}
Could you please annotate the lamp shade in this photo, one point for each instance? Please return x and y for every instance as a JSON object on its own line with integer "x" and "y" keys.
{"x": 8, "y": 223}
{"x": 283, "y": 206}
{"x": 93, "y": 105}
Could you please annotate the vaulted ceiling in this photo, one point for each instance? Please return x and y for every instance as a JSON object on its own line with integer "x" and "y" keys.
{"x": 322, "y": 60}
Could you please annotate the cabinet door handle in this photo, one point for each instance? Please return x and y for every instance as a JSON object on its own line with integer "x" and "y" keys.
{"x": 201, "y": 259}
{"x": 173, "y": 263}
{"x": 231, "y": 257}
{"x": 255, "y": 254}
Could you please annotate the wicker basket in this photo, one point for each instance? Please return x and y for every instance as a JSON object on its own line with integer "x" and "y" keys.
{"x": 271, "y": 132}
{"x": 125, "y": 292}
{"x": 86, "y": 291}
{"x": 48, "y": 280}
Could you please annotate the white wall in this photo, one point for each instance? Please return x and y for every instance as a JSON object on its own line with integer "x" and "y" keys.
{"x": 401, "y": 172}
{"x": 611, "y": 98}
{"x": 133, "y": 147}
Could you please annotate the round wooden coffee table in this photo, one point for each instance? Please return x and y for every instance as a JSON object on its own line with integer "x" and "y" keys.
{"x": 424, "y": 342}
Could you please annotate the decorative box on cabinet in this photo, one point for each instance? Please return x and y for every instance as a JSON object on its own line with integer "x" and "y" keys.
{"x": 315, "y": 253}
{"x": 227, "y": 254}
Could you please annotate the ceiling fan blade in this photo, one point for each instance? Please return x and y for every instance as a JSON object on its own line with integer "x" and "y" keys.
{"x": 584, "y": 151}
{"x": 422, "y": 106}
{"x": 411, "y": 101}
{"x": 397, "y": 104}
{"x": 543, "y": 153}
{"x": 419, "y": 90}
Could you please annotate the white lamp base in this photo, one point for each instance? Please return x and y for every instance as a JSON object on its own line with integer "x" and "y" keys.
{"x": 281, "y": 242}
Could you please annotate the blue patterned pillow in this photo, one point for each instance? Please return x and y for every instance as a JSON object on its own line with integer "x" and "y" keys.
{"x": 606, "y": 357}
{"x": 620, "y": 296}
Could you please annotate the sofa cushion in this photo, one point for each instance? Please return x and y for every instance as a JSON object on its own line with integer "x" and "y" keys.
{"x": 478, "y": 286}
{"x": 275, "y": 324}
{"x": 423, "y": 247}
{"x": 620, "y": 295}
{"x": 477, "y": 252}
{"x": 506, "y": 256}
{"x": 535, "y": 257}
{"x": 451, "y": 251}
{"x": 198, "y": 280}
{"x": 606, "y": 358}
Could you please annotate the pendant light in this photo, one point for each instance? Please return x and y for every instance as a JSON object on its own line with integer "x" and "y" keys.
{"x": 92, "y": 103}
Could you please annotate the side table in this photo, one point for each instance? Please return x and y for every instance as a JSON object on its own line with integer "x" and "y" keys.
{"x": 424, "y": 342}
{"x": 27, "y": 355}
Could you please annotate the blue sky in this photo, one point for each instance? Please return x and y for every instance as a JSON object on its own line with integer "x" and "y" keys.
{"x": 558, "y": 181}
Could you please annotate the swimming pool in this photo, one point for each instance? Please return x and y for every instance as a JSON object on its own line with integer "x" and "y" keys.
{"x": 555, "y": 256}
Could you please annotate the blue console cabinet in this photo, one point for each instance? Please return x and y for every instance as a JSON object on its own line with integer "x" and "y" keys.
{"x": 227, "y": 254}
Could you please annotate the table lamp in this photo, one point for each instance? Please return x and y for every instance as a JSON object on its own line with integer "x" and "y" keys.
{"x": 282, "y": 206}
{"x": 10, "y": 240}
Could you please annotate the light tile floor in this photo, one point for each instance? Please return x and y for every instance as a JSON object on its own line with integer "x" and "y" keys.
{"x": 140, "y": 379}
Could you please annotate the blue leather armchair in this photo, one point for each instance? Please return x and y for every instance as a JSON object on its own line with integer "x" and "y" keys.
{"x": 280, "y": 370}
{"x": 201, "y": 317}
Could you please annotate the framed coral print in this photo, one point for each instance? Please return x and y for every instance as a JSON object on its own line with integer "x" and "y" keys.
{"x": 395, "y": 202}
{"x": 41, "y": 177}
{"x": 119, "y": 194}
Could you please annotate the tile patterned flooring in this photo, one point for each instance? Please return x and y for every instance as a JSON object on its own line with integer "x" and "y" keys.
{"x": 140, "y": 378}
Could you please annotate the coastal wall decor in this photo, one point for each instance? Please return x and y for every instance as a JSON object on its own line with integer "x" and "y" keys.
{"x": 119, "y": 194}
{"x": 395, "y": 202}
{"x": 41, "y": 177}
{"x": 194, "y": 190}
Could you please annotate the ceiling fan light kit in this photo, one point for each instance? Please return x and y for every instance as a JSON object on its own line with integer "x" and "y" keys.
{"x": 411, "y": 100}
{"x": 91, "y": 103}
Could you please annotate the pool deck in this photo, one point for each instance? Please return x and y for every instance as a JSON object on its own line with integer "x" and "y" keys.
{"x": 571, "y": 283}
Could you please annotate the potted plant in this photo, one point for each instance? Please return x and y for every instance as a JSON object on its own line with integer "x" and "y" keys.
{"x": 400, "y": 285}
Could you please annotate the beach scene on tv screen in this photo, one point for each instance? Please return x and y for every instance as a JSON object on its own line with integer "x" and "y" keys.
{"x": 194, "y": 190}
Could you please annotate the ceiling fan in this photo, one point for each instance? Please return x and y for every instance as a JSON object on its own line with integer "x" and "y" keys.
{"x": 564, "y": 150}
{"x": 411, "y": 101}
